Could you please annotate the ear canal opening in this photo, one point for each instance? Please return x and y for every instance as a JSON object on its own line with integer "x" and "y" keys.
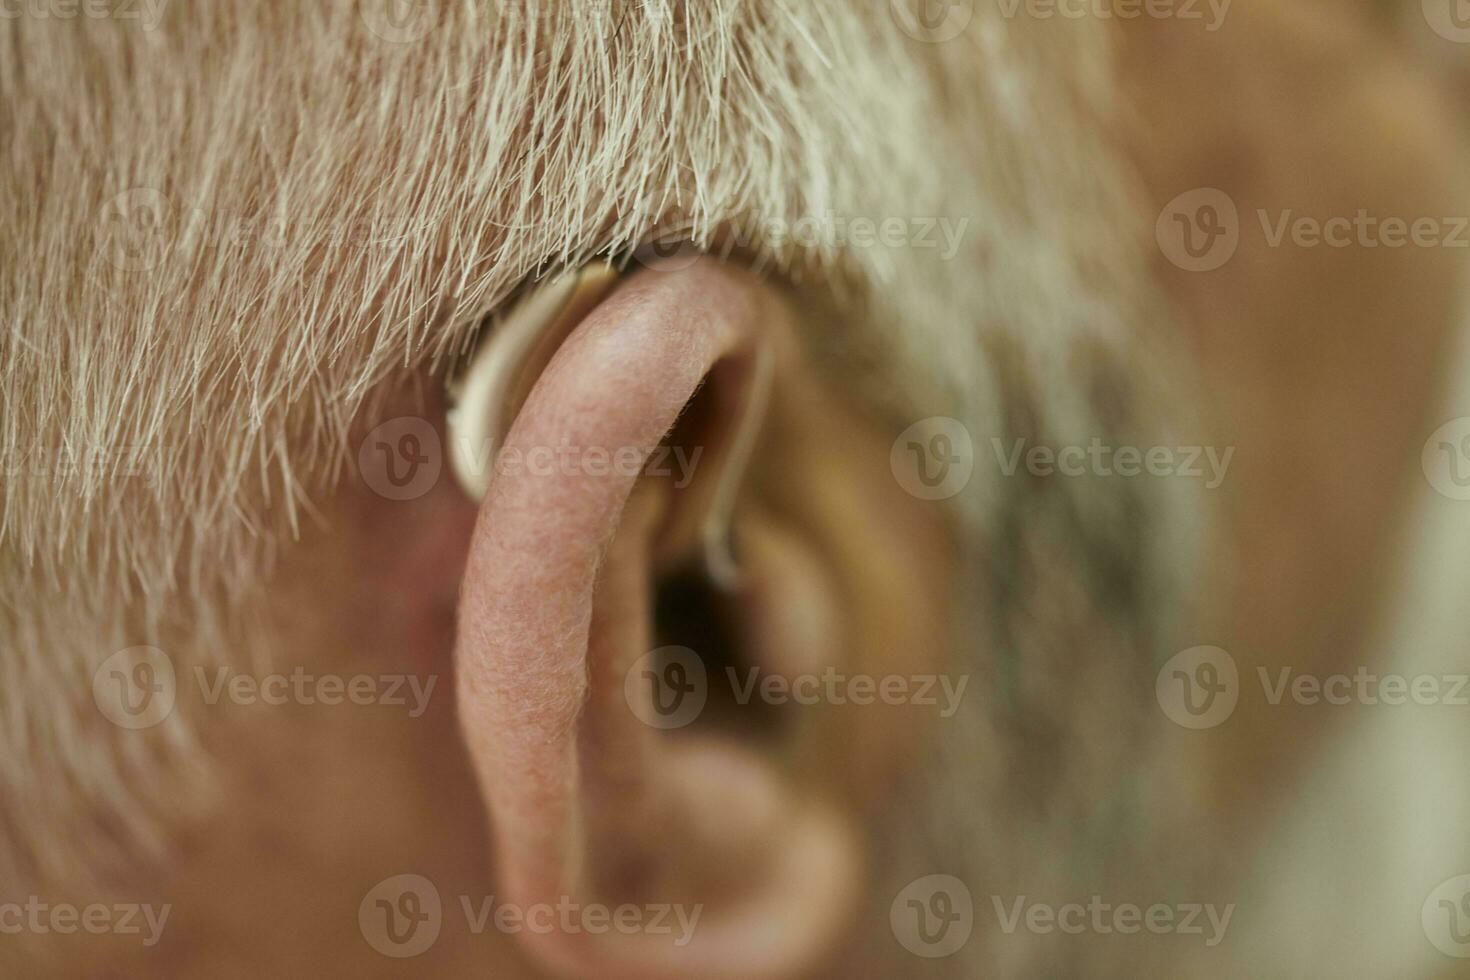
{"x": 692, "y": 612}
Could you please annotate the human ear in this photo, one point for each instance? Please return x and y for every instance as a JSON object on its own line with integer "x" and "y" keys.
{"x": 595, "y": 790}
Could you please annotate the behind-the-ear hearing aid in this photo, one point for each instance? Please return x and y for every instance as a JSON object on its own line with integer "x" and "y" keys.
{"x": 488, "y": 394}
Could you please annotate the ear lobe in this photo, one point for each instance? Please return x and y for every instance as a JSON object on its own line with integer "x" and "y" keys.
{"x": 589, "y": 804}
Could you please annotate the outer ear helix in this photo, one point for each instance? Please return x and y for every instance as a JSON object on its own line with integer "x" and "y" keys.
{"x": 486, "y": 397}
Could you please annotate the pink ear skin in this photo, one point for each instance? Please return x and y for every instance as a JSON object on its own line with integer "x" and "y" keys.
{"x": 587, "y": 803}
